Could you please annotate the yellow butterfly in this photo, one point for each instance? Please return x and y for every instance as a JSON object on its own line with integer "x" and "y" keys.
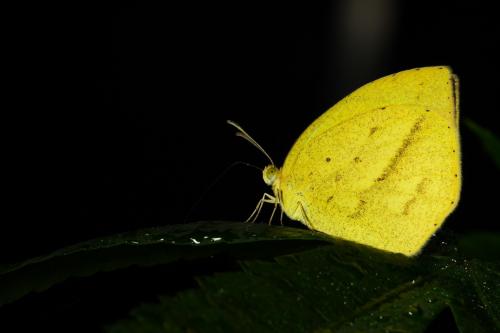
{"x": 381, "y": 167}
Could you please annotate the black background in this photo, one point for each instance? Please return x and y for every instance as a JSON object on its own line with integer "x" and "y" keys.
{"x": 120, "y": 109}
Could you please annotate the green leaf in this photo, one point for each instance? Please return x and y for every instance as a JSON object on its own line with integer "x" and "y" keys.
{"x": 336, "y": 288}
{"x": 486, "y": 281}
{"x": 480, "y": 245}
{"x": 490, "y": 142}
{"x": 308, "y": 282}
{"x": 472, "y": 309}
{"x": 152, "y": 247}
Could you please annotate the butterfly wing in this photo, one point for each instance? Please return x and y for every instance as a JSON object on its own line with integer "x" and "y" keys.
{"x": 382, "y": 167}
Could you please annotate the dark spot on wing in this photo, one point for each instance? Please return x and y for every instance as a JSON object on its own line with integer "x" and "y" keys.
{"x": 407, "y": 206}
{"x": 328, "y": 159}
{"x": 383, "y": 108}
{"x": 329, "y": 199}
{"x": 357, "y": 159}
{"x": 372, "y": 130}
{"x": 422, "y": 185}
{"x": 360, "y": 210}
{"x": 410, "y": 138}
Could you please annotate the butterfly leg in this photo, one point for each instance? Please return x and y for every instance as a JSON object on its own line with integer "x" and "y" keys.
{"x": 304, "y": 216}
{"x": 274, "y": 210}
{"x": 266, "y": 198}
{"x": 304, "y": 219}
{"x": 280, "y": 199}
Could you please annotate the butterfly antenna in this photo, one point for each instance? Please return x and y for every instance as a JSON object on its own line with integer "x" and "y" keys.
{"x": 247, "y": 137}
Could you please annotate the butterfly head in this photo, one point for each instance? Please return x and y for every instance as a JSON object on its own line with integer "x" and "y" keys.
{"x": 270, "y": 174}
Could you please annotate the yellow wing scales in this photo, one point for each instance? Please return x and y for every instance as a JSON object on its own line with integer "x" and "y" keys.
{"x": 381, "y": 167}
